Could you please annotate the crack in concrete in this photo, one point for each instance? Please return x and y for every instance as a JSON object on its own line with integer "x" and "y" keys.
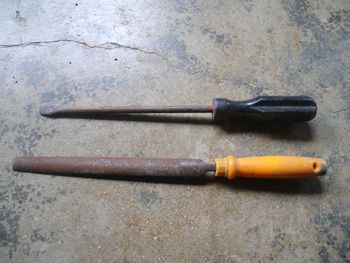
{"x": 115, "y": 45}
{"x": 106, "y": 45}
{"x": 340, "y": 110}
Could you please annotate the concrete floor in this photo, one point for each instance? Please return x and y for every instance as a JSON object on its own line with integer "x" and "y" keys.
{"x": 172, "y": 53}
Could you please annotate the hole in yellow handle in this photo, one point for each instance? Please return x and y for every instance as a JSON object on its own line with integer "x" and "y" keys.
{"x": 319, "y": 167}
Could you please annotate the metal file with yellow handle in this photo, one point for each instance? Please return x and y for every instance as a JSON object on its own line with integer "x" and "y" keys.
{"x": 262, "y": 167}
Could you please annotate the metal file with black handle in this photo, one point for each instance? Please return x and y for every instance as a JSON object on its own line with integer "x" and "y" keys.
{"x": 264, "y": 108}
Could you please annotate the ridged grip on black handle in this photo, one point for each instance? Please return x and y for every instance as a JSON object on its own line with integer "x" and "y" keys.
{"x": 267, "y": 108}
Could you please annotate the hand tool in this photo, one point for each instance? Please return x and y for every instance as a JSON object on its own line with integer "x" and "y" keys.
{"x": 266, "y": 108}
{"x": 264, "y": 167}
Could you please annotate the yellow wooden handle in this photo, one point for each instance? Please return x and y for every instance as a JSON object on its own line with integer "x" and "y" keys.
{"x": 270, "y": 167}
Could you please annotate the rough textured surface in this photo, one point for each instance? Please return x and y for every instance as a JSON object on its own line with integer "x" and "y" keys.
{"x": 172, "y": 52}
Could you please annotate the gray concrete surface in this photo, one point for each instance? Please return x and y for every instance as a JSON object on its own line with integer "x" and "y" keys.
{"x": 172, "y": 53}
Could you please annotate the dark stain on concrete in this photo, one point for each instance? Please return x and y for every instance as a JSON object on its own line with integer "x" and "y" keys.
{"x": 36, "y": 236}
{"x": 323, "y": 54}
{"x": 50, "y": 237}
{"x": 12, "y": 199}
{"x": 183, "y": 6}
{"x": 255, "y": 88}
{"x": 149, "y": 197}
{"x": 40, "y": 236}
{"x": 171, "y": 44}
{"x": 61, "y": 191}
{"x": 34, "y": 70}
{"x": 331, "y": 225}
{"x": 29, "y": 109}
{"x": 48, "y": 200}
{"x": 64, "y": 92}
{"x": 248, "y": 5}
{"x": 26, "y": 138}
{"x": 4, "y": 129}
{"x": 221, "y": 39}
{"x": 9, "y": 230}
{"x": 278, "y": 241}
{"x": 19, "y": 19}
{"x": 98, "y": 84}
{"x": 19, "y": 194}
{"x": 339, "y": 24}
{"x": 15, "y": 198}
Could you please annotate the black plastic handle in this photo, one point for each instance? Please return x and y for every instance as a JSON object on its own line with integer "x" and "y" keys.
{"x": 267, "y": 108}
